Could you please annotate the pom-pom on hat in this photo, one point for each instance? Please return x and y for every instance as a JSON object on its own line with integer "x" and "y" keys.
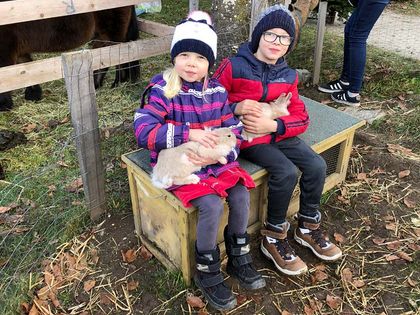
{"x": 276, "y": 16}
{"x": 195, "y": 34}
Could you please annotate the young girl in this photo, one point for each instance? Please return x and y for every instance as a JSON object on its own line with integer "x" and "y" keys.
{"x": 259, "y": 73}
{"x": 181, "y": 103}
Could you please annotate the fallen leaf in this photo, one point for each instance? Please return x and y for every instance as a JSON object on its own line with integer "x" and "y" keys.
{"x": 106, "y": 298}
{"x": 333, "y": 301}
{"x": 413, "y": 246}
{"x": 409, "y": 202}
{"x": 343, "y": 200}
{"x": 94, "y": 256}
{"x": 346, "y": 275}
{"x": 405, "y": 256}
{"x": 358, "y": 283}
{"x": 286, "y": 313}
{"x": 411, "y": 282}
{"x": 391, "y": 257}
{"x": 88, "y": 285}
{"x": 75, "y": 185}
{"x": 123, "y": 165}
{"x": 203, "y": 312}
{"x": 129, "y": 256}
{"x": 318, "y": 276}
{"x": 308, "y": 310}
{"x": 321, "y": 267}
{"x": 5, "y": 209}
{"x": 28, "y": 128}
{"x": 132, "y": 285}
{"x": 62, "y": 163}
{"x": 241, "y": 299}
{"x": 195, "y": 301}
{"x": 145, "y": 253}
{"x": 339, "y": 238}
{"x": 378, "y": 240}
{"x": 24, "y": 307}
{"x": 416, "y": 231}
{"x": 403, "y": 174}
{"x": 315, "y": 304}
{"x": 393, "y": 245}
{"x": 402, "y": 151}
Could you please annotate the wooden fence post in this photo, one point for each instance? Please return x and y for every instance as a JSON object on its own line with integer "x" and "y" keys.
{"x": 78, "y": 75}
{"x": 193, "y": 5}
{"x": 319, "y": 42}
{"x": 257, "y": 6}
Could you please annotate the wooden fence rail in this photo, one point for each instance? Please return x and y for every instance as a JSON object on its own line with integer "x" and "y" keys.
{"x": 50, "y": 69}
{"x": 18, "y": 11}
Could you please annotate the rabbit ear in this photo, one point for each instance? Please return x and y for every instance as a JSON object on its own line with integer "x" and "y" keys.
{"x": 289, "y": 96}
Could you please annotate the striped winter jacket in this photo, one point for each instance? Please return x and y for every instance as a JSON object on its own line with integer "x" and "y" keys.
{"x": 246, "y": 77}
{"x": 165, "y": 123}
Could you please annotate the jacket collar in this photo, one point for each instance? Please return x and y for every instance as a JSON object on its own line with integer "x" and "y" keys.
{"x": 245, "y": 52}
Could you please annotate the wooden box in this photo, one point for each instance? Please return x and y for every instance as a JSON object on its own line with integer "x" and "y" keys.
{"x": 168, "y": 229}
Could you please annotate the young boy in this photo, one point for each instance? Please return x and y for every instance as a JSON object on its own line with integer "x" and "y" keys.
{"x": 259, "y": 73}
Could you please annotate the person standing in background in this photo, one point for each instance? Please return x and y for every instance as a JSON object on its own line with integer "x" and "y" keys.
{"x": 346, "y": 90}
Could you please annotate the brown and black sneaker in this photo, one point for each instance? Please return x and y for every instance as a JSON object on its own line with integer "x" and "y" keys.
{"x": 276, "y": 247}
{"x": 309, "y": 234}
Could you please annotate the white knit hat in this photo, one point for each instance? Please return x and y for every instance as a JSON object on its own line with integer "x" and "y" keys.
{"x": 195, "y": 34}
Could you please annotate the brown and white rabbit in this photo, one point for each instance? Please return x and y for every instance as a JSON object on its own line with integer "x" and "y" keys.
{"x": 174, "y": 167}
{"x": 271, "y": 110}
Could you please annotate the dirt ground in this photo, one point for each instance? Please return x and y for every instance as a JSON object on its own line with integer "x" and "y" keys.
{"x": 372, "y": 215}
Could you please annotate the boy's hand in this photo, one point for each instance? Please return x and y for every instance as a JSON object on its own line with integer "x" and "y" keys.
{"x": 248, "y": 107}
{"x": 194, "y": 158}
{"x": 259, "y": 125}
{"x": 205, "y": 137}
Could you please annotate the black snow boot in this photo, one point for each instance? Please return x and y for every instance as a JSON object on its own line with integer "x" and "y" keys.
{"x": 209, "y": 280}
{"x": 239, "y": 261}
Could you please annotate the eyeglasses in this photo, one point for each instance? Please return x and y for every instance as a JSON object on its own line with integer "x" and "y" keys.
{"x": 271, "y": 38}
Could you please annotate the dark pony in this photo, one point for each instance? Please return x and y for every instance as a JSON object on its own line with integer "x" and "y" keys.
{"x": 59, "y": 34}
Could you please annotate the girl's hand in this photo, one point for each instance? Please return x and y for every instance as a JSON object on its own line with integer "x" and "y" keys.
{"x": 205, "y": 137}
{"x": 248, "y": 107}
{"x": 198, "y": 160}
{"x": 259, "y": 125}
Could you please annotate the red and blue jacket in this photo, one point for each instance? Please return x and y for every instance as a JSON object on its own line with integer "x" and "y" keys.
{"x": 246, "y": 77}
{"x": 162, "y": 123}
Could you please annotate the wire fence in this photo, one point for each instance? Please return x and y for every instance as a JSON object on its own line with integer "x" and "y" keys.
{"x": 42, "y": 201}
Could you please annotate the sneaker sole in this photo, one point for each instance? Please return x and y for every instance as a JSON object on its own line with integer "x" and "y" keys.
{"x": 345, "y": 102}
{"x": 323, "y": 257}
{"x": 285, "y": 271}
{"x": 324, "y": 90}
{"x": 224, "y": 307}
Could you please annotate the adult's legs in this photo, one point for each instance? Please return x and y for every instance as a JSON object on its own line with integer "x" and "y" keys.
{"x": 356, "y": 33}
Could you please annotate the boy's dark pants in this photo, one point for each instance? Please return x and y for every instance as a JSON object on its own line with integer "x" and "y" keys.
{"x": 282, "y": 160}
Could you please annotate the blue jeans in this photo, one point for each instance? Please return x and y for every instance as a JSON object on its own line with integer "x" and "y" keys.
{"x": 356, "y": 34}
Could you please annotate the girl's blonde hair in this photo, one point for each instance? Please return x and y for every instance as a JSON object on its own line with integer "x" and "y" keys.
{"x": 174, "y": 83}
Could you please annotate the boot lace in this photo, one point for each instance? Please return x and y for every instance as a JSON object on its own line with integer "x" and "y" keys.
{"x": 319, "y": 237}
{"x": 284, "y": 248}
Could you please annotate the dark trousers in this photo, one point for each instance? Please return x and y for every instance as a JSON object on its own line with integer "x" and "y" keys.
{"x": 356, "y": 33}
{"x": 282, "y": 161}
{"x": 210, "y": 210}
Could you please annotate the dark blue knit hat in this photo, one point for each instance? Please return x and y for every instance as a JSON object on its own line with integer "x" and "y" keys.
{"x": 276, "y": 16}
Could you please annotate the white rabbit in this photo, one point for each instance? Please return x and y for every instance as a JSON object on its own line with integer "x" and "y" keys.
{"x": 174, "y": 167}
{"x": 271, "y": 110}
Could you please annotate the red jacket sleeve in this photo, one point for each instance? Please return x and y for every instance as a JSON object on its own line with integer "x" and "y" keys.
{"x": 224, "y": 74}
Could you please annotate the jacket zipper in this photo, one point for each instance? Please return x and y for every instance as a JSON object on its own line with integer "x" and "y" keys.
{"x": 264, "y": 83}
